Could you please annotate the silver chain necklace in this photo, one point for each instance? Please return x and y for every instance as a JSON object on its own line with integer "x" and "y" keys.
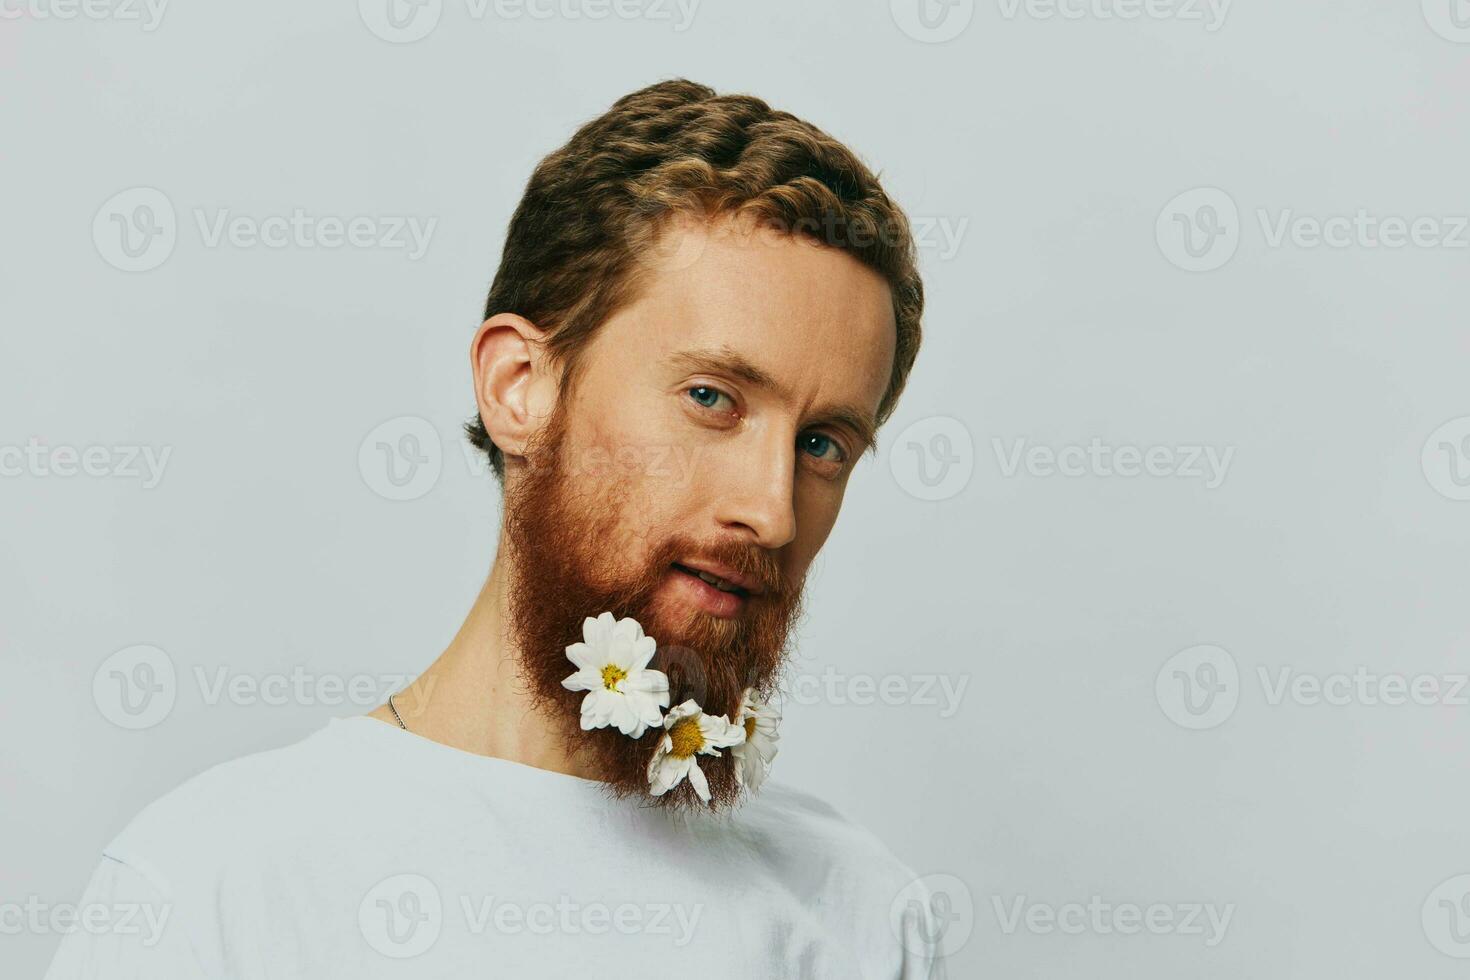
{"x": 394, "y": 708}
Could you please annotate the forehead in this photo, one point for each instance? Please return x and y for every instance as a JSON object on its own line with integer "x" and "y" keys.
{"x": 814, "y": 318}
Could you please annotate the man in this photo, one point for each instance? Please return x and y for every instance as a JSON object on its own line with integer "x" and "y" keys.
{"x": 703, "y": 311}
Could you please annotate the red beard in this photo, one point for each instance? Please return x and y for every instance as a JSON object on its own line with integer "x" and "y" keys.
{"x": 565, "y": 549}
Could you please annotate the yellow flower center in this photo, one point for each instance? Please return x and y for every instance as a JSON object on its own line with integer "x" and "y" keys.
{"x": 686, "y": 736}
{"x": 612, "y": 675}
{"x": 750, "y": 727}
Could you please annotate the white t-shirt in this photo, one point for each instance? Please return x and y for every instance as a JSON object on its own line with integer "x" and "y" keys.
{"x": 366, "y": 851}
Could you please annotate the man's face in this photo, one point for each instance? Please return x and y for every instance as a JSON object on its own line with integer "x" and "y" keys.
{"x": 664, "y": 400}
{"x": 711, "y": 428}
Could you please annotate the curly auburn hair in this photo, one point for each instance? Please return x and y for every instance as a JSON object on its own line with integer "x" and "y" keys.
{"x": 593, "y": 207}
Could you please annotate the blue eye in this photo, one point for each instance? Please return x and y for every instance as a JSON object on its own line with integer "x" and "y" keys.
{"x": 817, "y": 445}
{"x": 706, "y": 396}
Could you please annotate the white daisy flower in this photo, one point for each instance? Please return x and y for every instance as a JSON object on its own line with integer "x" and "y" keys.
{"x": 753, "y": 756}
{"x": 612, "y": 667}
{"x": 689, "y": 732}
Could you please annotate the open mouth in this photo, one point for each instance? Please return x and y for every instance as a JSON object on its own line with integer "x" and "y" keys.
{"x": 714, "y": 580}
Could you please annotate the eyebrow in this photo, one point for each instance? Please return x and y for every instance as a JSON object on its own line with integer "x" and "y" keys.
{"x": 728, "y": 361}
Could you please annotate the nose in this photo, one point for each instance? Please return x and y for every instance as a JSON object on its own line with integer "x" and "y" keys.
{"x": 757, "y": 498}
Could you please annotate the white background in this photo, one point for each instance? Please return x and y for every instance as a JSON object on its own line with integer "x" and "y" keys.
{"x": 1053, "y": 147}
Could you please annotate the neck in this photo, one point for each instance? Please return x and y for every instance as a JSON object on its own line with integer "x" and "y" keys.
{"x": 472, "y": 697}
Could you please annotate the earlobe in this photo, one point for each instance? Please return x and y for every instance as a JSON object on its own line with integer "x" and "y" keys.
{"x": 506, "y": 358}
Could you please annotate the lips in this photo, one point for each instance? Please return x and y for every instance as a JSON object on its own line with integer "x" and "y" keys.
{"x": 724, "y": 585}
{"x": 721, "y": 577}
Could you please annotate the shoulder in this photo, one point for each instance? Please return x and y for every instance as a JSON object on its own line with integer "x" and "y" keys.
{"x": 787, "y": 820}
{"x": 236, "y": 809}
{"x": 844, "y": 877}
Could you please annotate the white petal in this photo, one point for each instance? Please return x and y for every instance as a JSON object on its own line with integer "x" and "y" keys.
{"x": 626, "y": 717}
{"x": 644, "y": 650}
{"x": 719, "y": 733}
{"x": 649, "y": 681}
{"x": 627, "y": 631}
{"x": 582, "y": 681}
{"x": 669, "y": 772}
{"x": 597, "y": 706}
{"x": 697, "y": 780}
{"x": 581, "y": 655}
{"x": 686, "y": 710}
{"x": 597, "y": 632}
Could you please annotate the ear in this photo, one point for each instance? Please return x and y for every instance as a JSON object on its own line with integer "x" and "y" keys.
{"x": 515, "y": 390}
